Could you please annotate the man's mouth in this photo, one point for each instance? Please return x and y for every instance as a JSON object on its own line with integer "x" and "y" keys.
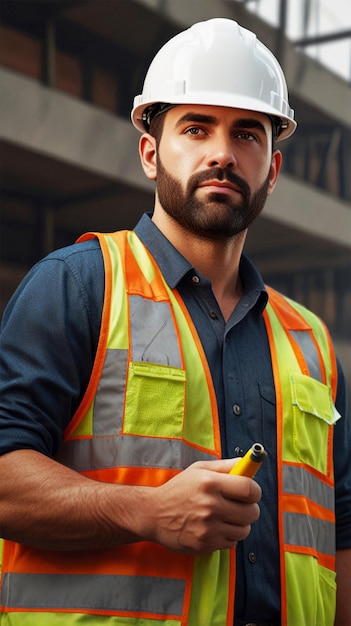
{"x": 220, "y": 186}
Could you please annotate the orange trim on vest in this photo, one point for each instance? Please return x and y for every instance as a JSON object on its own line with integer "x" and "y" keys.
{"x": 279, "y": 420}
{"x": 24, "y": 560}
{"x": 292, "y": 320}
{"x": 325, "y": 560}
{"x": 102, "y": 343}
{"x": 137, "y": 476}
{"x": 301, "y": 504}
{"x": 289, "y": 317}
{"x": 217, "y": 435}
{"x": 140, "y": 615}
{"x": 155, "y": 289}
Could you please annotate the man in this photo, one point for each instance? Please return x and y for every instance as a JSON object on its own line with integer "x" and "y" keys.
{"x": 148, "y": 357}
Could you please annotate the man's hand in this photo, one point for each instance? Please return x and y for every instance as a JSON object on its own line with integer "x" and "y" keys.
{"x": 203, "y": 508}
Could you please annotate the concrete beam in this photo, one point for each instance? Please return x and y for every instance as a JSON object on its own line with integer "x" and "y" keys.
{"x": 66, "y": 129}
{"x": 304, "y": 207}
{"x": 50, "y": 122}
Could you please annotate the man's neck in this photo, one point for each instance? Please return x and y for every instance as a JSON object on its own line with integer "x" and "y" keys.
{"x": 217, "y": 260}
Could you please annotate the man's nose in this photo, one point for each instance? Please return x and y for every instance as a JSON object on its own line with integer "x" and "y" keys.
{"x": 222, "y": 152}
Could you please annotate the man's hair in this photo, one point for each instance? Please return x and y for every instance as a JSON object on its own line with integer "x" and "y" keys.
{"x": 156, "y": 127}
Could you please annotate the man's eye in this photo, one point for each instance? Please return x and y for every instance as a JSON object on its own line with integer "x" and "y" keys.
{"x": 247, "y": 136}
{"x": 194, "y": 130}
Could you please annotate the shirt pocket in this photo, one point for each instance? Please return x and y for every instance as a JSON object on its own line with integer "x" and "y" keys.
{"x": 313, "y": 415}
{"x": 155, "y": 399}
{"x": 268, "y": 419}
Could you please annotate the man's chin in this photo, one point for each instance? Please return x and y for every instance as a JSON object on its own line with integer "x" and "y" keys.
{"x": 217, "y": 229}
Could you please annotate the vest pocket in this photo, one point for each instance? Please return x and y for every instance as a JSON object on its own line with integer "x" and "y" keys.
{"x": 326, "y": 590}
{"x": 311, "y": 591}
{"x": 313, "y": 414}
{"x": 154, "y": 400}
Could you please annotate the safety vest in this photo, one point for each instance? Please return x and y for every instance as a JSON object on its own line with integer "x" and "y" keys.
{"x": 149, "y": 412}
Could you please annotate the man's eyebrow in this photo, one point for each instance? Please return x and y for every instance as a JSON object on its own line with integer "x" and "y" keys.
{"x": 248, "y": 123}
{"x": 197, "y": 118}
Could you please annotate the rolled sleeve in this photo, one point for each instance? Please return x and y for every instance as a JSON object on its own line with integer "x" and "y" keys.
{"x": 48, "y": 342}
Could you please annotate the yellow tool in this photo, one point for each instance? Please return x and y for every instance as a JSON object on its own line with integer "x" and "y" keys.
{"x": 251, "y": 462}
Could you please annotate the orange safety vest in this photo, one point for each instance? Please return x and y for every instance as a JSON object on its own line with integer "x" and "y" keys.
{"x": 144, "y": 418}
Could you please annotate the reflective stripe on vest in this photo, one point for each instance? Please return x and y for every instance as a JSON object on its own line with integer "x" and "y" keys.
{"x": 162, "y": 596}
{"x": 297, "y": 480}
{"x": 84, "y": 455}
{"x": 307, "y": 531}
{"x": 310, "y": 353}
{"x": 309, "y": 524}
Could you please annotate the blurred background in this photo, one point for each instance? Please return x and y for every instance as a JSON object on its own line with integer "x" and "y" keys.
{"x": 69, "y": 70}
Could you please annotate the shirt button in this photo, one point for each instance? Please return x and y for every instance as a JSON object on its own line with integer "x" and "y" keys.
{"x": 195, "y": 280}
{"x": 236, "y": 409}
{"x": 252, "y": 557}
{"x": 214, "y": 315}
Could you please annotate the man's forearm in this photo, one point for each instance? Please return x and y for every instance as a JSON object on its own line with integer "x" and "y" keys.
{"x": 49, "y": 506}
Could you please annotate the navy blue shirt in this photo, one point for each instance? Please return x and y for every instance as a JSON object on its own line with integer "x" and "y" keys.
{"x": 48, "y": 344}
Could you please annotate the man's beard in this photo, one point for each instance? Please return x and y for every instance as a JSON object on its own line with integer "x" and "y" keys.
{"x": 217, "y": 217}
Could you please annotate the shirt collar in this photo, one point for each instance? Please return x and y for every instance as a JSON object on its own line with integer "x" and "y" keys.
{"x": 174, "y": 266}
{"x": 171, "y": 263}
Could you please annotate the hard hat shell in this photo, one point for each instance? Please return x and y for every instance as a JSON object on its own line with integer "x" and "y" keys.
{"x": 219, "y": 63}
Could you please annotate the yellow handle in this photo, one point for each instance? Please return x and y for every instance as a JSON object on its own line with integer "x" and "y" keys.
{"x": 251, "y": 462}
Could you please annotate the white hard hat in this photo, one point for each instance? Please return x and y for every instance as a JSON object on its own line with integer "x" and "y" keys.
{"x": 219, "y": 63}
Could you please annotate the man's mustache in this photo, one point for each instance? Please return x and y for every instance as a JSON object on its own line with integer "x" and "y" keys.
{"x": 221, "y": 174}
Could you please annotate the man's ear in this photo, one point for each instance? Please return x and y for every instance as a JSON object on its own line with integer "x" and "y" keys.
{"x": 147, "y": 152}
{"x": 276, "y": 164}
